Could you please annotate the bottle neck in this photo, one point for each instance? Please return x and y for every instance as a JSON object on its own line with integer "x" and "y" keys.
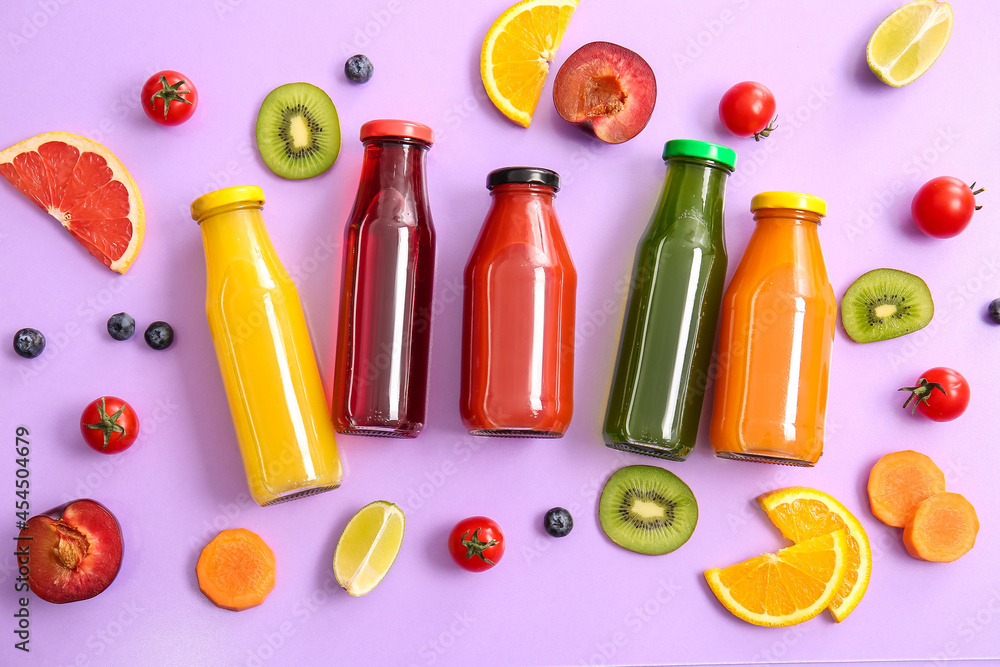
{"x": 787, "y": 216}
{"x": 235, "y": 230}
{"x": 392, "y": 163}
{"x": 693, "y": 188}
{"x": 513, "y": 190}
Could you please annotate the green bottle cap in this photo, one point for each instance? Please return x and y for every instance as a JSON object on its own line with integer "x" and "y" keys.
{"x": 701, "y": 149}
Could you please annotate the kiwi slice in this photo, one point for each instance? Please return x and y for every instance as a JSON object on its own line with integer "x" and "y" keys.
{"x": 648, "y": 510}
{"x": 884, "y": 304}
{"x": 298, "y": 131}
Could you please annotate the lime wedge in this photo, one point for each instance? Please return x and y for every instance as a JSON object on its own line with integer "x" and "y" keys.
{"x": 909, "y": 40}
{"x": 368, "y": 546}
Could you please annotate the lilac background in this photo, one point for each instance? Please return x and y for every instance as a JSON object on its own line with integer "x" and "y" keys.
{"x": 76, "y": 66}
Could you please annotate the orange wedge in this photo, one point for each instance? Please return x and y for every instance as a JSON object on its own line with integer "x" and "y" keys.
{"x": 517, "y": 51}
{"x": 787, "y": 587}
{"x": 801, "y": 513}
{"x": 86, "y": 188}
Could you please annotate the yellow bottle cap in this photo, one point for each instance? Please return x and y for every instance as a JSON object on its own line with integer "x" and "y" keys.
{"x": 213, "y": 200}
{"x": 796, "y": 200}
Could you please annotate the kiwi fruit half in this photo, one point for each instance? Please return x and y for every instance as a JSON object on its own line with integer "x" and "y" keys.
{"x": 648, "y": 510}
{"x": 884, "y": 304}
{"x": 298, "y": 131}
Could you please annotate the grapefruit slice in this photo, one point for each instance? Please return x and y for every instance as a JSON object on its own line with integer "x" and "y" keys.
{"x": 86, "y": 188}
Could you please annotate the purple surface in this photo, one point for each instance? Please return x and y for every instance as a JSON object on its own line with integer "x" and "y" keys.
{"x": 843, "y": 135}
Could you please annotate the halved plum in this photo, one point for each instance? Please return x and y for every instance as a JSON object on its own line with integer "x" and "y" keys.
{"x": 606, "y": 88}
{"x": 74, "y": 556}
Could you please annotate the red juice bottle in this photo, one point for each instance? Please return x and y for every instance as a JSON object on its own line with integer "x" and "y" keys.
{"x": 383, "y": 342}
{"x": 520, "y": 307}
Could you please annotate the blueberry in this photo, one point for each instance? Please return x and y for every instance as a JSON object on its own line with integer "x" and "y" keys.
{"x": 358, "y": 69}
{"x": 121, "y": 326}
{"x": 995, "y": 310}
{"x": 159, "y": 335}
{"x": 29, "y": 343}
{"x": 558, "y": 522}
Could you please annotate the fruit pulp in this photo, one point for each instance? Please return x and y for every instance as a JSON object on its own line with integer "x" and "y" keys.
{"x": 673, "y": 308}
{"x": 776, "y": 336}
{"x": 268, "y": 367}
{"x": 383, "y": 341}
{"x": 518, "y": 325}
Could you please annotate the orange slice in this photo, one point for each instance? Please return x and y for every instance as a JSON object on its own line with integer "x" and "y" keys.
{"x": 517, "y": 51}
{"x": 86, "y": 188}
{"x": 801, "y": 513}
{"x": 787, "y": 587}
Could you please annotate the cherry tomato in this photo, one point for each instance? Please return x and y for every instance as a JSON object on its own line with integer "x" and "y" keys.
{"x": 169, "y": 97}
{"x": 941, "y": 394}
{"x": 476, "y": 543}
{"x": 109, "y": 425}
{"x": 943, "y": 206}
{"x": 747, "y": 109}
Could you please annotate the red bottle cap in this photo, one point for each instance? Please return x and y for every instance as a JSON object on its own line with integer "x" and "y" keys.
{"x": 387, "y": 127}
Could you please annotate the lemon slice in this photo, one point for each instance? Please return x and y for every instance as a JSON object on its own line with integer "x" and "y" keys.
{"x": 801, "y": 513}
{"x": 787, "y": 587}
{"x": 517, "y": 51}
{"x": 909, "y": 40}
{"x": 368, "y": 546}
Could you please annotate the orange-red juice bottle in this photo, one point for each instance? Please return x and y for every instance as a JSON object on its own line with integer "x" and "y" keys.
{"x": 778, "y": 318}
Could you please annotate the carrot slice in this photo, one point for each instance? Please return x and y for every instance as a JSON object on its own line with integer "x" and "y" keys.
{"x": 236, "y": 569}
{"x": 899, "y": 482}
{"x": 942, "y": 529}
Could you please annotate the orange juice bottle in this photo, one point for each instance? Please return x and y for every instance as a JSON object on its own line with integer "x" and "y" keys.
{"x": 268, "y": 368}
{"x": 778, "y": 318}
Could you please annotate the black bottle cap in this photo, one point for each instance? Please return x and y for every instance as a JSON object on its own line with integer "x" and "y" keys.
{"x": 522, "y": 175}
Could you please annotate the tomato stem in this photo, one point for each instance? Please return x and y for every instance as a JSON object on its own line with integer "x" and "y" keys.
{"x": 475, "y": 546}
{"x": 108, "y": 424}
{"x": 771, "y": 127}
{"x": 169, "y": 94}
{"x": 921, "y": 393}
{"x": 976, "y": 192}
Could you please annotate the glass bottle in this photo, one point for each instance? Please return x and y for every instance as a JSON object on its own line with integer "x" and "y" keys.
{"x": 268, "y": 368}
{"x": 778, "y": 320}
{"x": 520, "y": 307}
{"x": 673, "y": 307}
{"x": 383, "y": 340}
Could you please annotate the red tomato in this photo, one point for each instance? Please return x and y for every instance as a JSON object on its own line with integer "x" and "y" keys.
{"x": 941, "y": 394}
{"x": 943, "y": 206}
{"x": 747, "y": 109}
{"x": 476, "y": 543}
{"x": 109, "y": 425}
{"x": 169, "y": 97}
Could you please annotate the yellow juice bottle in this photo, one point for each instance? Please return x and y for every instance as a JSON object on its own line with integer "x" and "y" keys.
{"x": 268, "y": 367}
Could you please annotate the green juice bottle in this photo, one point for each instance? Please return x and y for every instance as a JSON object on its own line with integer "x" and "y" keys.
{"x": 673, "y": 308}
